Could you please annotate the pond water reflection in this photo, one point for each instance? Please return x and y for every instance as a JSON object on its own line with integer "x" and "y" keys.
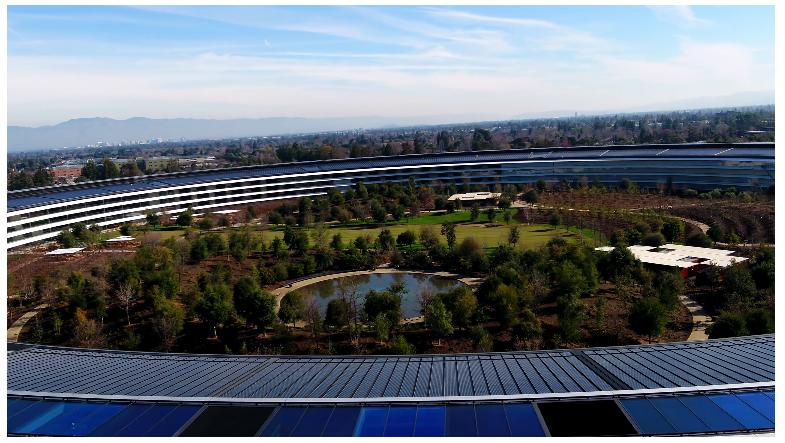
{"x": 415, "y": 284}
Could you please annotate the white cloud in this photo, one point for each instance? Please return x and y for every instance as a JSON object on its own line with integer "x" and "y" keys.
{"x": 679, "y": 15}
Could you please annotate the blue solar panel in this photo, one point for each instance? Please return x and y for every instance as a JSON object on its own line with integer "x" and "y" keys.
{"x": 342, "y": 422}
{"x": 430, "y": 421}
{"x": 313, "y": 422}
{"x": 283, "y": 422}
{"x": 461, "y": 421}
{"x": 400, "y": 421}
{"x": 491, "y": 421}
{"x": 57, "y": 418}
{"x": 371, "y": 422}
{"x": 523, "y": 420}
{"x": 742, "y": 412}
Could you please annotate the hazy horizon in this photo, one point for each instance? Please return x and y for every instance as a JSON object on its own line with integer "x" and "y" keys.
{"x": 481, "y": 63}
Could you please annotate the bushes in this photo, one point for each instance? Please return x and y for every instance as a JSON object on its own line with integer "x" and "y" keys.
{"x": 699, "y": 239}
{"x": 648, "y": 317}
{"x": 653, "y": 239}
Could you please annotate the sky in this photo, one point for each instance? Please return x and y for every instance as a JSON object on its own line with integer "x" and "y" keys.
{"x": 492, "y": 62}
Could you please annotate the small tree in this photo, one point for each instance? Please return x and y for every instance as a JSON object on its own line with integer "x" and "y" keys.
{"x": 401, "y": 347}
{"x": 406, "y": 238}
{"x": 87, "y": 332}
{"x": 153, "y": 219}
{"x": 555, "y": 219}
{"x": 475, "y": 214}
{"x": 255, "y": 305}
{"x": 292, "y": 308}
{"x": 729, "y": 324}
{"x": 653, "y": 239}
{"x": 385, "y": 240}
{"x": 483, "y": 341}
{"x": 648, "y": 317}
{"x": 382, "y": 325}
{"x": 531, "y": 196}
{"x": 126, "y": 294}
{"x": 448, "y": 231}
{"x": 215, "y": 306}
{"x": 185, "y": 218}
{"x": 513, "y": 236}
{"x": 66, "y": 239}
{"x": 438, "y": 319}
{"x": 337, "y": 314}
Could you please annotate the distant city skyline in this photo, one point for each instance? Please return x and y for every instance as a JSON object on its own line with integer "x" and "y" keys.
{"x": 324, "y": 62}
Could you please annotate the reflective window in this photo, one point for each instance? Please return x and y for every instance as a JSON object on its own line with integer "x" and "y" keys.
{"x": 579, "y": 418}
{"x": 371, "y": 422}
{"x": 491, "y": 421}
{"x": 711, "y": 414}
{"x": 430, "y": 421}
{"x": 170, "y": 424}
{"x": 313, "y": 422}
{"x": 523, "y": 420}
{"x": 759, "y": 402}
{"x": 647, "y": 417}
{"x": 145, "y": 421}
{"x": 342, "y": 422}
{"x": 461, "y": 421}
{"x": 742, "y": 412}
{"x": 400, "y": 421}
{"x": 228, "y": 421}
{"x": 61, "y": 418}
{"x": 283, "y": 422}
{"x": 121, "y": 420}
{"x": 682, "y": 419}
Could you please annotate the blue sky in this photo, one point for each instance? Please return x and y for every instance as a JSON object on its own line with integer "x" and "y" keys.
{"x": 485, "y": 62}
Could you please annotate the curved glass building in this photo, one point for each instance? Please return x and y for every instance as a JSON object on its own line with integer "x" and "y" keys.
{"x": 41, "y": 213}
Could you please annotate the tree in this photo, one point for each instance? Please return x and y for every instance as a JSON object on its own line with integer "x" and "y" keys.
{"x": 313, "y": 317}
{"x": 66, "y": 239}
{"x": 378, "y": 212}
{"x": 130, "y": 169}
{"x": 319, "y": 235}
{"x": 570, "y": 310}
{"x": 383, "y": 302}
{"x": 337, "y": 314}
{"x": 475, "y": 214}
{"x": 110, "y": 169}
{"x": 126, "y": 294}
{"x": 531, "y": 196}
{"x": 507, "y": 217}
{"x": 699, "y": 239}
{"x": 428, "y": 237}
{"x": 337, "y": 242}
{"x": 215, "y": 306}
{"x": 185, "y": 218}
{"x": 240, "y": 244}
{"x": 168, "y": 321}
{"x": 382, "y": 325}
{"x": 87, "y": 332}
{"x": 529, "y": 328}
{"x": 438, "y": 318}
{"x": 448, "y": 231}
{"x": 153, "y": 219}
{"x": 759, "y": 321}
{"x": 648, "y": 317}
{"x": 482, "y": 339}
{"x": 729, "y": 324}
{"x": 400, "y": 346}
{"x": 513, "y": 236}
{"x": 462, "y": 305}
{"x": 555, "y": 219}
{"x": 653, "y": 239}
{"x": 668, "y": 287}
{"x": 292, "y": 308}
{"x": 406, "y": 238}
{"x": 673, "y": 229}
{"x": 385, "y": 239}
{"x": 253, "y": 304}
{"x": 738, "y": 290}
{"x": 491, "y": 213}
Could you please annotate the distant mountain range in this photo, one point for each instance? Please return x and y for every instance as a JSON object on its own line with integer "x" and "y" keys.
{"x": 90, "y": 131}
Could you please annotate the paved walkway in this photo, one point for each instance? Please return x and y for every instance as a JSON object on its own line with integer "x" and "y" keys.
{"x": 700, "y": 320}
{"x": 16, "y": 328}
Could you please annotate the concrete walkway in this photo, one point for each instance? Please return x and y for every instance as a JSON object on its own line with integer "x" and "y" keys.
{"x": 16, "y": 328}
{"x": 700, "y": 320}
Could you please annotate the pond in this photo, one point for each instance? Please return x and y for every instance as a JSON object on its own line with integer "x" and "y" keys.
{"x": 415, "y": 284}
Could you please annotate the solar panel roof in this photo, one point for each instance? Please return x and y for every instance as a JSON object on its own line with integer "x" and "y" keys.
{"x": 35, "y": 368}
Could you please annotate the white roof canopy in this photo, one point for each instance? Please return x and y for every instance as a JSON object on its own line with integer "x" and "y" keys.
{"x": 680, "y": 256}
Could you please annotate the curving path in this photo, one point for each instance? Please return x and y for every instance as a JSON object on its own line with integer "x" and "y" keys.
{"x": 700, "y": 319}
{"x": 16, "y": 329}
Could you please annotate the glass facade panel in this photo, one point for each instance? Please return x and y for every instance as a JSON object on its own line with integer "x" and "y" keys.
{"x": 461, "y": 421}
{"x": 682, "y": 419}
{"x": 283, "y": 422}
{"x": 742, "y": 412}
{"x": 173, "y": 422}
{"x": 647, "y": 417}
{"x": 121, "y": 420}
{"x": 759, "y": 402}
{"x": 711, "y": 414}
{"x": 371, "y": 422}
{"x": 400, "y": 421}
{"x": 145, "y": 421}
{"x": 342, "y": 422}
{"x": 491, "y": 421}
{"x": 523, "y": 420}
{"x": 313, "y": 422}
{"x": 430, "y": 421}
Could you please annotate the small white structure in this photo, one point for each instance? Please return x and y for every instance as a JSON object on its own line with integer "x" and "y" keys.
{"x": 64, "y": 251}
{"x": 121, "y": 238}
{"x": 474, "y": 196}
{"x": 680, "y": 256}
{"x": 226, "y": 211}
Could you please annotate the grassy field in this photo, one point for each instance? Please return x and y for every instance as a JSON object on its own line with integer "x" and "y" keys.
{"x": 531, "y": 236}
